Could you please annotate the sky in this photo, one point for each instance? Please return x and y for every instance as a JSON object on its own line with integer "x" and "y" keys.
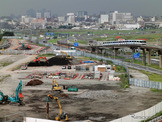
{"x": 61, "y": 7}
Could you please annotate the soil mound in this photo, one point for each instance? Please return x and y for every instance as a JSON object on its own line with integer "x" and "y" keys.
{"x": 57, "y": 60}
{"x": 34, "y": 82}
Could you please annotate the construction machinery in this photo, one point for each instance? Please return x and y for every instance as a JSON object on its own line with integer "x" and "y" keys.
{"x": 38, "y": 59}
{"x": 24, "y": 67}
{"x": 55, "y": 86}
{"x": 67, "y": 56}
{"x": 72, "y": 89}
{"x": 17, "y": 99}
{"x": 4, "y": 98}
{"x": 62, "y": 116}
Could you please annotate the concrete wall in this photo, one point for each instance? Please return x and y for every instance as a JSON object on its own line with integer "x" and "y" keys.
{"x": 142, "y": 115}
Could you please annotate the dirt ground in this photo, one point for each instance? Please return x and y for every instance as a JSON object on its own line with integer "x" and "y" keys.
{"x": 98, "y": 101}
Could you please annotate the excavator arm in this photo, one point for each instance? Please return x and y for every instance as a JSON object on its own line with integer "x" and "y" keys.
{"x": 1, "y": 96}
{"x": 55, "y": 86}
{"x": 62, "y": 116}
{"x": 67, "y": 56}
{"x": 38, "y": 59}
{"x": 19, "y": 96}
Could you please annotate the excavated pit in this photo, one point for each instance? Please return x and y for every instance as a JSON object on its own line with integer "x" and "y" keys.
{"x": 57, "y": 60}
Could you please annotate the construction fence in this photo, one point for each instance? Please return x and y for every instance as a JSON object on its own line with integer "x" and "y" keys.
{"x": 142, "y": 115}
{"x": 145, "y": 84}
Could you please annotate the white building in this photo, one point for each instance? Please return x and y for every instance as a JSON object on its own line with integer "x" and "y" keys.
{"x": 120, "y": 18}
{"x": 26, "y": 20}
{"x": 131, "y": 26}
{"x": 61, "y": 19}
{"x": 71, "y": 18}
{"x": 103, "y": 18}
{"x": 38, "y": 15}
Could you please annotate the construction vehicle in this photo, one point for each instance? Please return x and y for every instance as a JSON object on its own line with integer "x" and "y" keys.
{"x": 26, "y": 47}
{"x": 67, "y": 56}
{"x": 17, "y": 99}
{"x": 38, "y": 59}
{"x": 24, "y": 67}
{"x": 19, "y": 96}
{"x": 114, "y": 68}
{"x": 72, "y": 89}
{"x": 62, "y": 116}
{"x": 55, "y": 86}
{"x": 4, "y": 98}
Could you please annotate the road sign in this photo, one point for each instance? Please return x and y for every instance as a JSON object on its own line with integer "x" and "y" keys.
{"x": 136, "y": 55}
{"x": 76, "y": 44}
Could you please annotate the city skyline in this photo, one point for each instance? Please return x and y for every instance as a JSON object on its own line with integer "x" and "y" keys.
{"x": 61, "y": 7}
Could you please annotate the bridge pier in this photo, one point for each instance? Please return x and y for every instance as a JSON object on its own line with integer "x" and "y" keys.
{"x": 160, "y": 58}
{"x": 103, "y": 51}
{"x": 149, "y": 56}
{"x": 133, "y": 51}
{"x": 160, "y": 63}
{"x": 116, "y": 52}
{"x": 144, "y": 56}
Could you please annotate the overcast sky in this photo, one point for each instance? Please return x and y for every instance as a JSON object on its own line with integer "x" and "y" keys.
{"x": 61, "y": 7}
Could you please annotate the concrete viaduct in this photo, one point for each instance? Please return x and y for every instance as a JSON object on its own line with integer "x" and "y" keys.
{"x": 144, "y": 48}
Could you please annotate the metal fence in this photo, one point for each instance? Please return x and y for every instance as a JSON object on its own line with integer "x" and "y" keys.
{"x": 146, "y": 84}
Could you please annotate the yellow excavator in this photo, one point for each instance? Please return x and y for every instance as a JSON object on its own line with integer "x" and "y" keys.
{"x": 55, "y": 86}
{"x": 67, "y": 56}
{"x": 62, "y": 116}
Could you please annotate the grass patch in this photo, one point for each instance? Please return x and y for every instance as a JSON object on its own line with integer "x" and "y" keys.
{"x": 4, "y": 77}
{"x": 53, "y": 41}
{"x": 140, "y": 63}
{"x": 2, "y": 41}
{"x": 46, "y": 55}
{"x": 124, "y": 81}
{"x": 80, "y": 41}
{"x": 153, "y": 117}
{"x": 152, "y": 76}
{"x": 3, "y": 64}
{"x": 156, "y": 90}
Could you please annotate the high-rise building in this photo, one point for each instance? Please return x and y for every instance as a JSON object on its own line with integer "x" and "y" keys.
{"x": 120, "y": 18}
{"x": 81, "y": 15}
{"x": 47, "y": 14}
{"x": 38, "y": 15}
{"x": 71, "y": 18}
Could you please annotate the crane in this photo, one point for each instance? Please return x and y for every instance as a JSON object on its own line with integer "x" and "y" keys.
{"x": 62, "y": 116}
{"x": 55, "y": 86}
{"x": 67, "y": 56}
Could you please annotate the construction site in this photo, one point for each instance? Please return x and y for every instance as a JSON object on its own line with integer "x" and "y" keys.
{"x": 65, "y": 88}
